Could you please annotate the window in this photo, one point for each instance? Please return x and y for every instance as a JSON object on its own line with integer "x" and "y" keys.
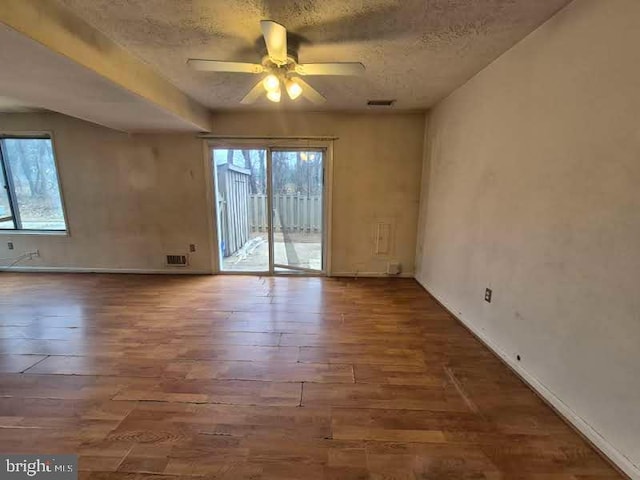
{"x": 30, "y": 198}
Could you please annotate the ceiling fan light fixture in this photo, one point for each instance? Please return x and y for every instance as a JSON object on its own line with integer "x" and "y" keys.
{"x": 274, "y": 95}
{"x": 279, "y": 68}
{"x": 294, "y": 90}
{"x": 271, "y": 83}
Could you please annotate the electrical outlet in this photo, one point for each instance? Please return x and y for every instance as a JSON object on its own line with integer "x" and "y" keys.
{"x": 487, "y": 295}
{"x": 192, "y": 247}
{"x": 10, "y": 245}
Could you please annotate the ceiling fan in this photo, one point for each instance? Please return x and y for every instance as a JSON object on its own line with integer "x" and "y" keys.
{"x": 281, "y": 67}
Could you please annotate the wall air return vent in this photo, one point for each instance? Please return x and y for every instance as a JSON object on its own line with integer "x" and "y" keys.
{"x": 381, "y": 103}
{"x": 177, "y": 260}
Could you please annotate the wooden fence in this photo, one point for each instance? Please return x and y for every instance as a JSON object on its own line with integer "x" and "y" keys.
{"x": 233, "y": 207}
{"x": 297, "y": 212}
{"x": 241, "y": 213}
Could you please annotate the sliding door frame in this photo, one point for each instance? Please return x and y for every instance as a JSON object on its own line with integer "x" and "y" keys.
{"x": 270, "y": 144}
{"x": 269, "y": 185}
{"x": 301, "y": 270}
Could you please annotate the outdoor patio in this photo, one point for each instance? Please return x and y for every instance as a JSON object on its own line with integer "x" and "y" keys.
{"x": 305, "y": 248}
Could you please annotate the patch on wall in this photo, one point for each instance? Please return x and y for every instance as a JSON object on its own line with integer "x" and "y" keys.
{"x": 383, "y": 237}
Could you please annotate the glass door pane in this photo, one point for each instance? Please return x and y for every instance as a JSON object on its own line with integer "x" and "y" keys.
{"x": 297, "y": 200}
{"x": 240, "y": 177}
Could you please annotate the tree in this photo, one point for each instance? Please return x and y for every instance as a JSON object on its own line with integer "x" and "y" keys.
{"x": 249, "y": 166}
{"x": 31, "y": 162}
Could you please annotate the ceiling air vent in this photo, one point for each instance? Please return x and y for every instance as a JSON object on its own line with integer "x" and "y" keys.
{"x": 381, "y": 103}
{"x": 177, "y": 260}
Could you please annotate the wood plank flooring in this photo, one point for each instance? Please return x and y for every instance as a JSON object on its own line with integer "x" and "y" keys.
{"x": 180, "y": 377}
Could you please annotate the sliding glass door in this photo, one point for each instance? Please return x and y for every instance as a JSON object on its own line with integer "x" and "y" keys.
{"x": 270, "y": 209}
{"x": 297, "y": 199}
{"x": 242, "y": 213}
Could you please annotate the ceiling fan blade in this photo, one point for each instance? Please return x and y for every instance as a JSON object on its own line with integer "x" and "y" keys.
{"x": 346, "y": 68}
{"x": 275, "y": 37}
{"x": 310, "y": 93}
{"x": 254, "y": 94}
{"x": 222, "y": 66}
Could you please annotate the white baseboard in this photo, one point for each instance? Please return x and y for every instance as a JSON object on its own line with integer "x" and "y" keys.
{"x": 580, "y": 424}
{"x": 371, "y": 274}
{"x": 165, "y": 271}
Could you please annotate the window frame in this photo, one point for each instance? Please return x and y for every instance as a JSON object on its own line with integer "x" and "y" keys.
{"x": 5, "y": 172}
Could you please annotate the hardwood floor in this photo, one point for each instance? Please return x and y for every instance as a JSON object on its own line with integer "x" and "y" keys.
{"x": 265, "y": 378}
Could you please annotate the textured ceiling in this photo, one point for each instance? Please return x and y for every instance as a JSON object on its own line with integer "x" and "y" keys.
{"x": 415, "y": 51}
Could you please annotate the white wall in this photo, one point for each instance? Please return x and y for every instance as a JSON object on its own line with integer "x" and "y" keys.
{"x": 532, "y": 188}
{"x": 377, "y": 165}
{"x": 130, "y": 200}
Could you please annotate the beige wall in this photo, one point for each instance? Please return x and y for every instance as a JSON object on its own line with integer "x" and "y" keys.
{"x": 130, "y": 200}
{"x": 377, "y": 165}
{"x": 533, "y": 189}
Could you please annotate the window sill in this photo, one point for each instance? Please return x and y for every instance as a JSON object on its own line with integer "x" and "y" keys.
{"x": 43, "y": 233}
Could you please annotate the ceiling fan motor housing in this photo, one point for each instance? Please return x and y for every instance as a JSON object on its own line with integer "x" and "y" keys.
{"x": 292, "y": 59}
